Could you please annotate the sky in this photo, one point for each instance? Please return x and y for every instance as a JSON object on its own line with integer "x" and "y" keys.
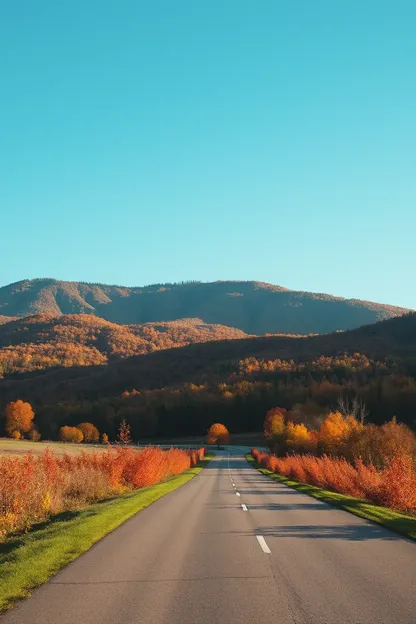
{"x": 158, "y": 141}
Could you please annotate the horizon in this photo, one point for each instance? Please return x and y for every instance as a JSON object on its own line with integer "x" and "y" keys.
{"x": 154, "y": 143}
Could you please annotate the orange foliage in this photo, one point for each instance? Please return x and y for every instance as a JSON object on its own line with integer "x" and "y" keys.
{"x": 393, "y": 486}
{"x": 218, "y": 434}
{"x": 19, "y": 416}
{"x": 33, "y": 488}
{"x": 71, "y": 434}
{"x": 89, "y": 431}
{"x": 86, "y": 340}
{"x": 299, "y": 439}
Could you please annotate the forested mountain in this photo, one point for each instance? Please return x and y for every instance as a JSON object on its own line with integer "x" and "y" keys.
{"x": 253, "y": 307}
{"x": 43, "y": 341}
{"x": 182, "y": 390}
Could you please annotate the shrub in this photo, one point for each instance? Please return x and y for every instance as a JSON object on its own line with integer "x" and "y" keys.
{"x": 33, "y": 488}
{"x": 71, "y": 434}
{"x": 393, "y": 486}
{"x": 89, "y": 431}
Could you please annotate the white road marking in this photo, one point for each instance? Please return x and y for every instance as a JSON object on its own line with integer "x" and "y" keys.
{"x": 263, "y": 544}
{"x": 244, "y": 507}
{"x": 238, "y": 493}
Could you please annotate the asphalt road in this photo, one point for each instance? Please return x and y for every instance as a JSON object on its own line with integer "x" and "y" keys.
{"x": 197, "y": 556}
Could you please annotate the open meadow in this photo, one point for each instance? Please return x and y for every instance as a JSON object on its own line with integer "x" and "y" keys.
{"x": 10, "y": 447}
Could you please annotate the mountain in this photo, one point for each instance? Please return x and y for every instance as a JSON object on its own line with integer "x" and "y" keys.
{"x": 43, "y": 341}
{"x": 253, "y": 307}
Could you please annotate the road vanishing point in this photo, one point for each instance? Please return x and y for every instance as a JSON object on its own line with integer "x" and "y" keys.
{"x": 234, "y": 547}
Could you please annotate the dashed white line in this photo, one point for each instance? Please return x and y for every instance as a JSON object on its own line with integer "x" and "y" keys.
{"x": 244, "y": 507}
{"x": 263, "y": 545}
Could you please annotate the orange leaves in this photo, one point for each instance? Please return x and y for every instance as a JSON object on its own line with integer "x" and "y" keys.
{"x": 32, "y": 488}
{"x": 19, "y": 416}
{"x": 89, "y": 431}
{"x": 394, "y": 486}
{"x": 71, "y": 434}
{"x": 218, "y": 434}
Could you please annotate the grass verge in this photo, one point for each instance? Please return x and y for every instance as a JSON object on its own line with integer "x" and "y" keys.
{"x": 393, "y": 520}
{"x": 29, "y": 560}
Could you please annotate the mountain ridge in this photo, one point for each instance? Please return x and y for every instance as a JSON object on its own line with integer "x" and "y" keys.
{"x": 251, "y": 306}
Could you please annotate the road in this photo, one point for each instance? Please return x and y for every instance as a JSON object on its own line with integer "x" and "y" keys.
{"x": 229, "y": 547}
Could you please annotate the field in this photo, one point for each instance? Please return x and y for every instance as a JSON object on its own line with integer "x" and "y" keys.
{"x": 22, "y": 447}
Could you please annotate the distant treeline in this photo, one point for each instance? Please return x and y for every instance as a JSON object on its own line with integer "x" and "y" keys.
{"x": 241, "y": 400}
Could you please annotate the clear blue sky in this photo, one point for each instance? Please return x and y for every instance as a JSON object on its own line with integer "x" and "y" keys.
{"x": 152, "y": 141}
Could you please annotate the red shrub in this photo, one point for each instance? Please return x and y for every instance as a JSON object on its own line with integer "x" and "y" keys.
{"x": 32, "y": 488}
{"x": 393, "y": 486}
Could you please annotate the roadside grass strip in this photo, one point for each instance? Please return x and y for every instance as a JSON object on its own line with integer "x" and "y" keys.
{"x": 393, "y": 520}
{"x": 30, "y": 559}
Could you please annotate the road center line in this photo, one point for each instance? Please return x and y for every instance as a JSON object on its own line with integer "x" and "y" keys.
{"x": 263, "y": 545}
{"x": 244, "y": 507}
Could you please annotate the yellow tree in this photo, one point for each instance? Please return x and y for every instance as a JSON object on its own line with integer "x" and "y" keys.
{"x": 299, "y": 439}
{"x": 275, "y": 428}
{"x": 218, "y": 434}
{"x": 19, "y": 417}
{"x": 335, "y": 431}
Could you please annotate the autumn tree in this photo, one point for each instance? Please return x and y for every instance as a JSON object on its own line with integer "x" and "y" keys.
{"x": 19, "y": 417}
{"x": 218, "y": 434}
{"x": 380, "y": 445}
{"x": 299, "y": 439}
{"x": 104, "y": 438}
{"x": 335, "y": 431}
{"x": 71, "y": 434}
{"x": 124, "y": 433}
{"x": 89, "y": 431}
{"x": 275, "y": 428}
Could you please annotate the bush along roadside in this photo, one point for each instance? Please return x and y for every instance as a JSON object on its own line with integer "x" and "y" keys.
{"x": 35, "y": 488}
{"x": 395, "y": 521}
{"x": 64, "y": 537}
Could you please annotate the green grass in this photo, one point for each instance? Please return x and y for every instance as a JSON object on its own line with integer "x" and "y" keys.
{"x": 393, "y": 520}
{"x": 29, "y": 560}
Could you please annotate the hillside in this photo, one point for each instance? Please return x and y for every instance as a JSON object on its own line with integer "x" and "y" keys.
{"x": 394, "y": 339}
{"x": 6, "y": 319}
{"x": 43, "y": 341}
{"x": 254, "y": 307}
{"x": 179, "y": 391}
